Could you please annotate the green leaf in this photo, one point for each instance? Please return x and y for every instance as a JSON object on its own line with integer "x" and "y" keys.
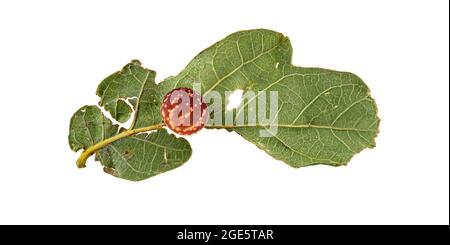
{"x": 142, "y": 156}
{"x": 136, "y": 85}
{"x": 323, "y": 117}
{"x": 88, "y": 127}
{"x": 136, "y": 157}
{"x": 129, "y": 153}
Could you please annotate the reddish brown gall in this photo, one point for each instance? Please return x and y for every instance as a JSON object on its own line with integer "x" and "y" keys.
{"x": 184, "y": 111}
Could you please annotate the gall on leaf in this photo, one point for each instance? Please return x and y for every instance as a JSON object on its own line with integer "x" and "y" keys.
{"x": 184, "y": 111}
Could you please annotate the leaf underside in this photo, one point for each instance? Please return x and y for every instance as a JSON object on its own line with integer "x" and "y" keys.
{"x": 136, "y": 157}
{"x": 323, "y": 117}
{"x": 145, "y": 155}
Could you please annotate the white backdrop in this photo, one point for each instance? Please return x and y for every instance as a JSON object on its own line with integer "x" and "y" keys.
{"x": 53, "y": 54}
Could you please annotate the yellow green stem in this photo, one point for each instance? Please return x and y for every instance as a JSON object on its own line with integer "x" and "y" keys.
{"x": 81, "y": 162}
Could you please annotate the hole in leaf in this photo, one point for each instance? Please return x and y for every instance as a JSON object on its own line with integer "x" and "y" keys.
{"x": 235, "y": 99}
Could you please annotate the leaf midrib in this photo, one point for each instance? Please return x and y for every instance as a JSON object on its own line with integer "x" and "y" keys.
{"x": 291, "y": 126}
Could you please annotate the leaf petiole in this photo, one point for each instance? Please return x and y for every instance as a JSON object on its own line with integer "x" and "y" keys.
{"x": 81, "y": 162}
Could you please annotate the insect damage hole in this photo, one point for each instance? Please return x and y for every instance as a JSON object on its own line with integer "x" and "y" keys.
{"x": 235, "y": 99}
{"x": 127, "y": 101}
